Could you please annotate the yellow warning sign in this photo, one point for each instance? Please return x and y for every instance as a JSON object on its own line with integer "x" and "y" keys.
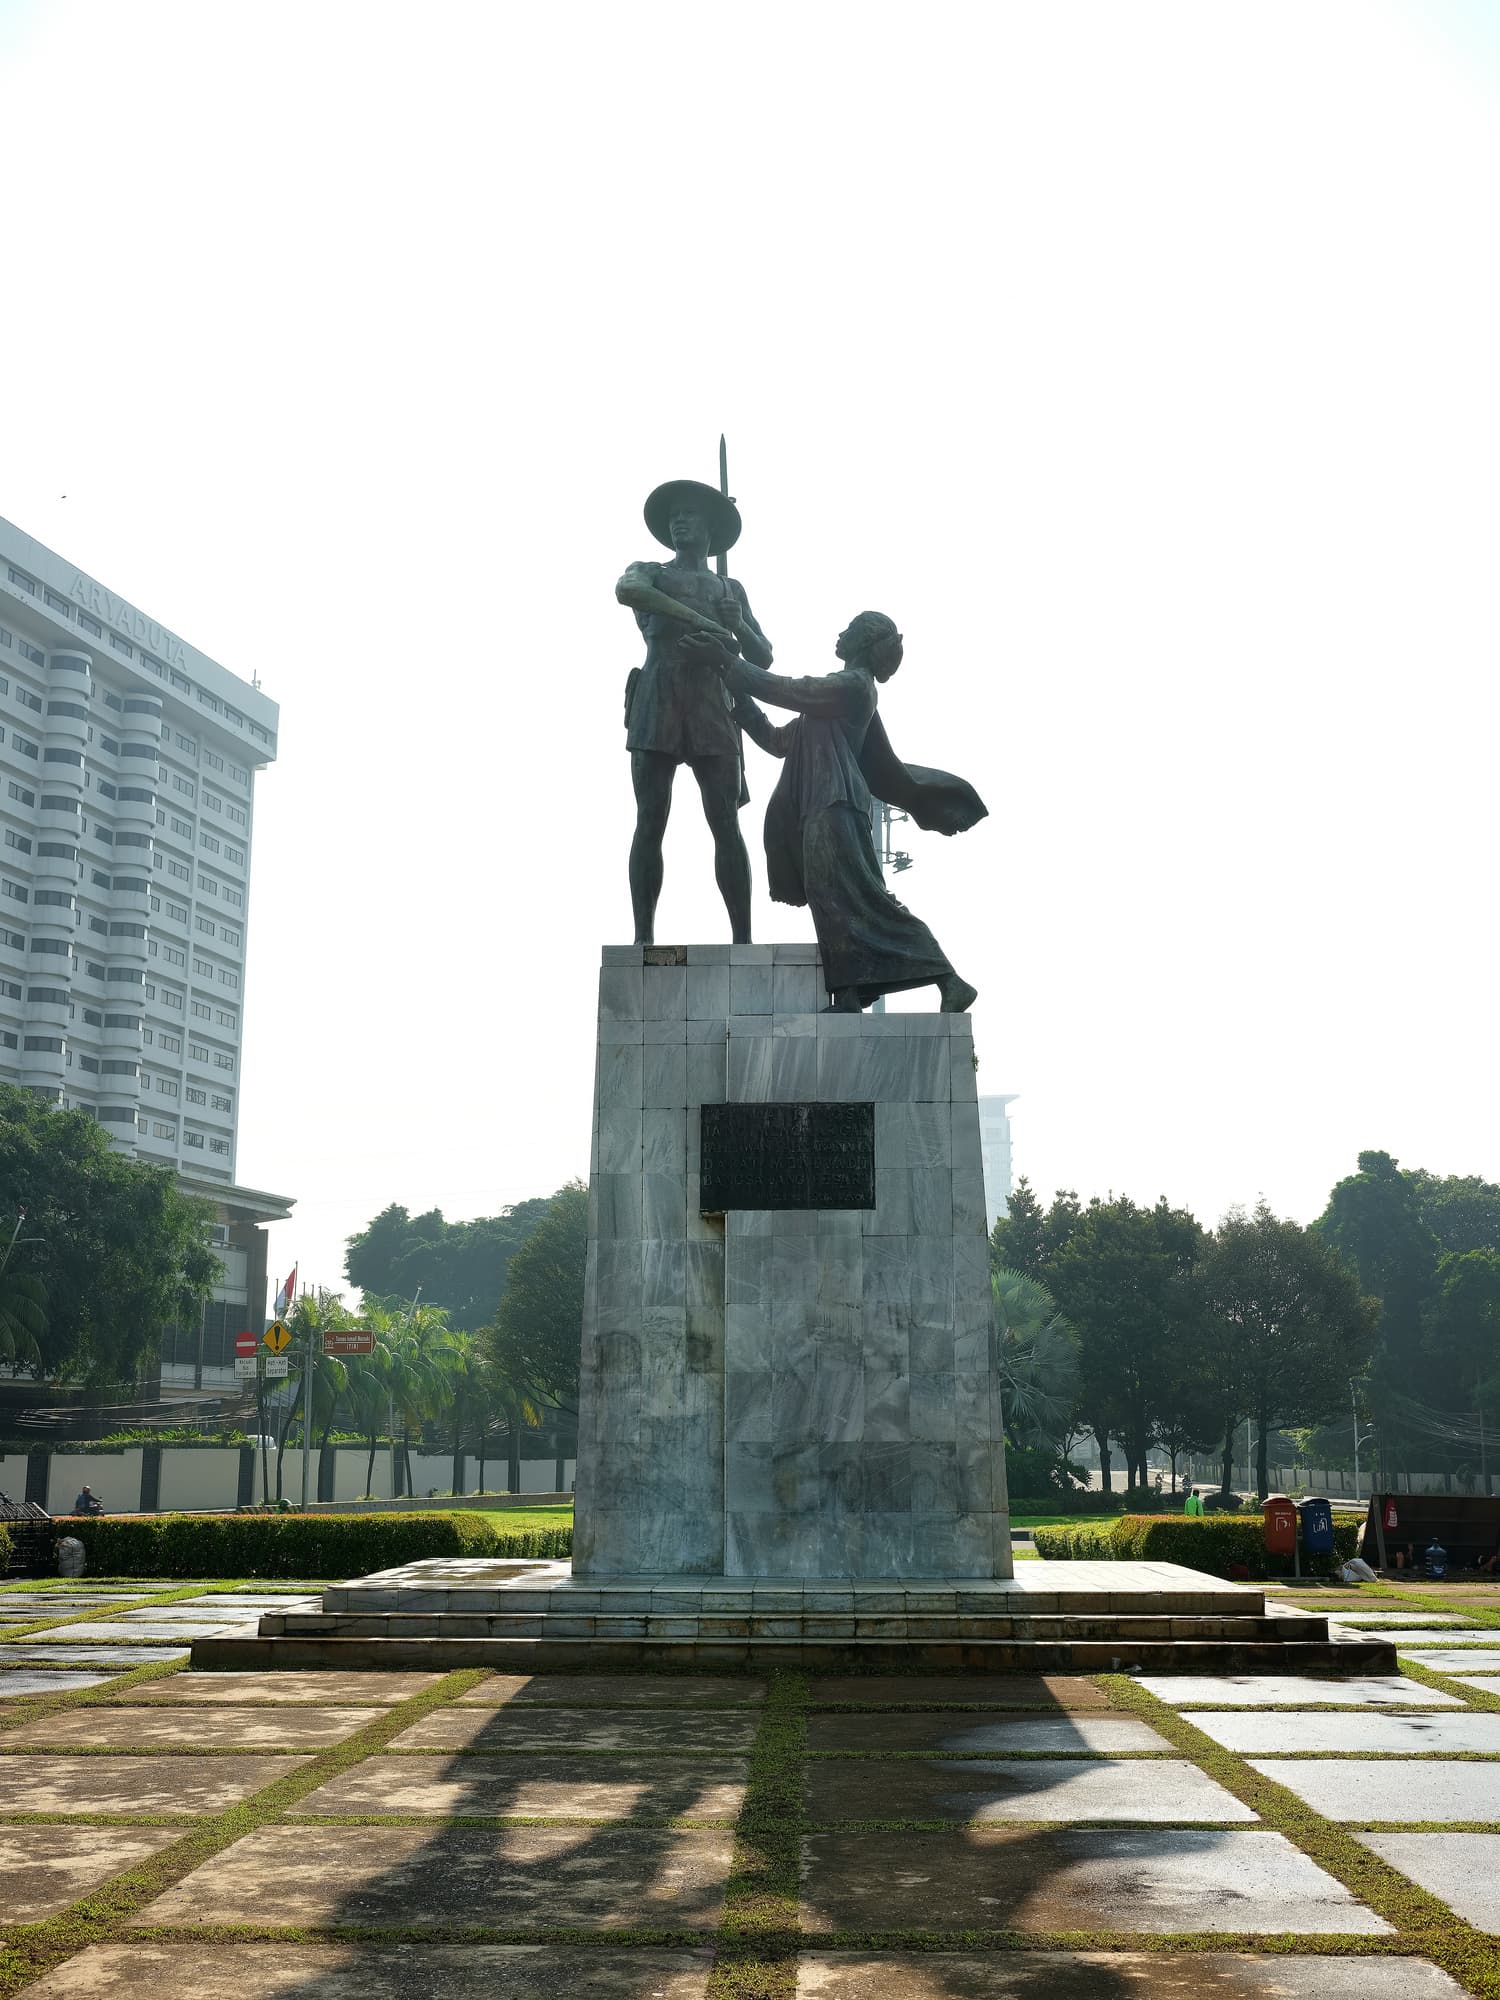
{"x": 278, "y": 1335}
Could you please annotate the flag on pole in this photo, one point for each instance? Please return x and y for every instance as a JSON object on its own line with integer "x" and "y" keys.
{"x": 284, "y": 1296}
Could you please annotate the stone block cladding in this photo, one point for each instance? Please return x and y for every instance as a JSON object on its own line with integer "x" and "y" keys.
{"x": 800, "y": 1393}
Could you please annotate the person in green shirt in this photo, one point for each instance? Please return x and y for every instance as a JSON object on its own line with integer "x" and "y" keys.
{"x": 1193, "y": 1504}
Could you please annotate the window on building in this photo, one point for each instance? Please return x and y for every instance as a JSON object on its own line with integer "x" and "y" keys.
{"x": 24, "y": 744}
{"x": 20, "y": 792}
{"x": 28, "y": 700}
{"x": 205, "y": 923}
{"x": 173, "y": 1000}
{"x": 172, "y": 955}
{"x": 233, "y": 896}
{"x": 44, "y": 1044}
{"x": 213, "y": 802}
{"x": 198, "y": 1051}
{"x": 202, "y": 1009}
{"x": 59, "y": 899}
{"x": 181, "y": 870}
{"x": 194, "y": 1139}
{"x": 172, "y": 1044}
{"x": 161, "y": 1131}
{"x": 52, "y": 947}
{"x": 167, "y": 1085}
{"x": 204, "y": 966}
{"x": 194, "y": 1095}
{"x": 182, "y": 826}
{"x": 207, "y": 840}
{"x": 225, "y": 1018}
{"x": 9, "y": 989}
{"x": 218, "y": 1145}
{"x": 20, "y": 841}
{"x": 221, "y": 1061}
{"x": 90, "y": 1063}
{"x": 222, "y": 1103}
{"x": 17, "y": 892}
{"x": 12, "y": 940}
{"x": 208, "y": 885}
{"x": 229, "y": 979}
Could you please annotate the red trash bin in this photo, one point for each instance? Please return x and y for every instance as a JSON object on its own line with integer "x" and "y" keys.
{"x": 1280, "y": 1516}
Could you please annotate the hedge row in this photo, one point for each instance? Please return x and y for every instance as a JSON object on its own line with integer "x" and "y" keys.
{"x": 293, "y": 1545}
{"x": 1220, "y": 1545}
{"x": 6, "y": 1545}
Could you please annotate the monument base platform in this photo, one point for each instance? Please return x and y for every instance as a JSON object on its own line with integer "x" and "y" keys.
{"x": 528, "y": 1617}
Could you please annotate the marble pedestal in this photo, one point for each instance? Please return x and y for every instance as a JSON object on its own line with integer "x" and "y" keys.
{"x": 798, "y": 1393}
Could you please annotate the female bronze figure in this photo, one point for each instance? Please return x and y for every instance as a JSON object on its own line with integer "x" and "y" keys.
{"x": 820, "y": 847}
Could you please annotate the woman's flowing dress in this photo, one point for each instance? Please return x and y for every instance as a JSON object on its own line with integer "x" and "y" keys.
{"x": 820, "y": 845}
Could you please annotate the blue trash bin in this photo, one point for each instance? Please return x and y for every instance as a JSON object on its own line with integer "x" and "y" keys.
{"x": 1317, "y": 1527}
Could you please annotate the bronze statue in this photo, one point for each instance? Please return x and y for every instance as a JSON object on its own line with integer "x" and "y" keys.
{"x": 820, "y": 848}
{"x": 677, "y": 708}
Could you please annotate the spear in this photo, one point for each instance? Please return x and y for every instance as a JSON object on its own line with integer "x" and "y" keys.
{"x": 721, "y": 562}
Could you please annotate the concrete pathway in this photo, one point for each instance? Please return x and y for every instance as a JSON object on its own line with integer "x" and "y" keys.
{"x": 847, "y": 1837}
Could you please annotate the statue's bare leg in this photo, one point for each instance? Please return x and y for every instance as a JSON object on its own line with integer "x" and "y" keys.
{"x": 651, "y": 773}
{"x": 719, "y": 782}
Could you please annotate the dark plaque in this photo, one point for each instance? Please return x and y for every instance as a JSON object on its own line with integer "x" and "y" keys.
{"x": 787, "y": 1156}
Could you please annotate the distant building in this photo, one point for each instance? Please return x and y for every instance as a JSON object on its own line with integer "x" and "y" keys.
{"x": 127, "y": 779}
{"x": 994, "y": 1144}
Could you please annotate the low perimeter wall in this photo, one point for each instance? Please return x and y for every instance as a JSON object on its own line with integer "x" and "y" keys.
{"x": 169, "y": 1478}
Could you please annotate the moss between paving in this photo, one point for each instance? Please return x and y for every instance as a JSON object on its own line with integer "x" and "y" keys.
{"x": 745, "y": 1894}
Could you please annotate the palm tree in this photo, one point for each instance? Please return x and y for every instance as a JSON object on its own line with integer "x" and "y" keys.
{"x": 408, "y": 1340}
{"x": 1038, "y": 1360}
{"x": 23, "y": 1303}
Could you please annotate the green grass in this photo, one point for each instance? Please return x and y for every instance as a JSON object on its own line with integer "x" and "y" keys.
{"x": 519, "y": 1517}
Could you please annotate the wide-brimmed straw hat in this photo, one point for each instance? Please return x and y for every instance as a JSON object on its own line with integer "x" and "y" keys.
{"x": 721, "y": 514}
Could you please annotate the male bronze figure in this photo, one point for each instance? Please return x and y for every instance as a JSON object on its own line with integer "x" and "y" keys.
{"x": 677, "y": 708}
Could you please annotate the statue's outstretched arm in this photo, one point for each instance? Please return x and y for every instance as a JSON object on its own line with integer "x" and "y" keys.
{"x": 637, "y": 588}
{"x": 775, "y": 738}
{"x": 821, "y": 695}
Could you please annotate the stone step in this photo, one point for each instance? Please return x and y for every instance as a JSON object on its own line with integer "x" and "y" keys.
{"x": 861, "y": 1601}
{"x": 1362, "y": 1656}
{"x": 1279, "y": 1628}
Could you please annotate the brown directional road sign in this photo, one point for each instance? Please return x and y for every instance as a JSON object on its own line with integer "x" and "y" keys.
{"x": 358, "y": 1340}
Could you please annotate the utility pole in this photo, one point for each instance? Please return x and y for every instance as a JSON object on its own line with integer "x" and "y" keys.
{"x": 307, "y": 1375}
{"x": 411, "y": 1315}
{"x": 1354, "y": 1408}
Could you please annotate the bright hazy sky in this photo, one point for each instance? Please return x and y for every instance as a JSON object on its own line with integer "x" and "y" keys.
{"x": 1140, "y": 361}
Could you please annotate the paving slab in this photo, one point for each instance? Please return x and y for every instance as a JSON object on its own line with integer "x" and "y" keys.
{"x": 1400, "y": 1619}
{"x": 602, "y": 1878}
{"x": 1481, "y": 1683}
{"x": 373, "y": 1972}
{"x": 260, "y": 1689}
{"x": 1148, "y": 1879}
{"x": 262, "y": 1600}
{"x": 985, "y": 1788}
{"x": 45, "y": 1868}
{"x": 1461, "y": 1869}
{"x": 1475, "y": 1640}
{"x": 616, "y": 1691}
{"x": 228, "y": 1729}
{"x": 17, "y": 1681}
{"x": 1393, "y": 1735}
{"x": 581, "y": 1729}
{"x": 536, "y": 1787}
{"x": 46, "y": 1652}
{"x": 31, "y": 1609}
{"x": 41, "y": 1784}
{"x": 147, "y": 1626}
{"x": 1468, "y": 1659}
{"x": 194, "y": 1614}
{"x": 956, "y": 1691}
{"x": 1291, "y": 1691}
{"x": 1113, "y": 1975}
{"x": 1349, "y": 1790}
{"x": 978, "y": 1735}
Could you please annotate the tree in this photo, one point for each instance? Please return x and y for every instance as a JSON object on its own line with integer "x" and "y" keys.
{"x": 1030, "y": 1239}
{"x": 1038, "y": 1362}
{"x": 459, "y": 1266}
{"x": 1461, "y": 1333}
{"x": 23, "y": 1301}
{"x": 1123, "y": 1279}
{"x": 535, "y": 1340}
{"x": 119, "y": 1248}
{"x": 1300, "y": 1323}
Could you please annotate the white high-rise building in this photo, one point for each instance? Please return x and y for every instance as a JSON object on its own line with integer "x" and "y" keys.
{"x": 994, "y": 1146}
{"x": 127, "y": 807}
{"x": 127, "y": 773}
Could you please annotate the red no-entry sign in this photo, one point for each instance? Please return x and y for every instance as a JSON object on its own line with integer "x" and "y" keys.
{"x": 246, "y": 1343}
